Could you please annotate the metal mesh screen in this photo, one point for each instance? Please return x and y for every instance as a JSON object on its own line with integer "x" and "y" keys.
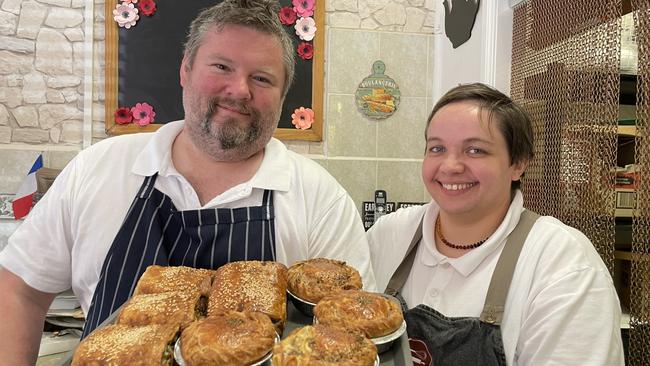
{"x": 565, "y": 73}
{"x": 640, "y": 267}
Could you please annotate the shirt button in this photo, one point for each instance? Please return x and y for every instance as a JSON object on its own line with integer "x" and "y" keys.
{"x": 434, "y": 293}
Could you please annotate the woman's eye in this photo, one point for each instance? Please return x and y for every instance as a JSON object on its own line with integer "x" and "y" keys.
{"x": 221, "y": 66}
{"x": 436, "y": 149}
{"x": 475, "y": 151}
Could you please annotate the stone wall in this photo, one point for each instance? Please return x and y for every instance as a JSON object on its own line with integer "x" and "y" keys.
{"x": 41, "y": 71}
{"x": 386, "y": 15}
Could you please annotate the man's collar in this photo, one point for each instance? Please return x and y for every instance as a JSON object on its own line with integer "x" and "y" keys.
{"x": 156, "y": 156}
{"x": 274, "y": 173}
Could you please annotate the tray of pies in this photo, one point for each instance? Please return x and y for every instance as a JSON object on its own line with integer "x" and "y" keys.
{"x": 238, "y": 314}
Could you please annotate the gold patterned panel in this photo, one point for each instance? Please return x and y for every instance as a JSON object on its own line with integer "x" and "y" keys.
{"x": 640, "y": 267}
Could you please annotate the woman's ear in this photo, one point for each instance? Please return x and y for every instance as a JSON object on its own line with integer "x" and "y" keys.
{"x": 518, "y": 169}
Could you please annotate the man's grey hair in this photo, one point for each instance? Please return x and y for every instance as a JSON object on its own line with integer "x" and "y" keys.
{"x": 260, "y": 15}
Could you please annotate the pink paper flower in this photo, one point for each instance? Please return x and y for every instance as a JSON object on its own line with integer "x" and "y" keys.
{"x": 147, "y": 7}
{"x": 305, "y": 50}
{"x": 305, "y": 28}
{"x": 123, "y": 116}
{"x": 126, "y": 15}
{"x": 302, "y": 118}
{"x": 304, "y": 8}
{"x": 287, "y": 15}
{"x": 143, "y": 114}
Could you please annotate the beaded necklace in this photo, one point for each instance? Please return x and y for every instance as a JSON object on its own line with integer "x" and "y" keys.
{"x": 456, "y": 246}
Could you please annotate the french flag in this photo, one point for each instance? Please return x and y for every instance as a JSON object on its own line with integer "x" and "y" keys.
{"x": 23, "y": 199}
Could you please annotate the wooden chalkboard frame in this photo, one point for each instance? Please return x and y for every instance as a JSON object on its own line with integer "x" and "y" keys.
{"x": 315, "y": 133}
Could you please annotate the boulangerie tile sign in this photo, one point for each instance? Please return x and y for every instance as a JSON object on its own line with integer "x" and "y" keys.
{"x": 378, "y": 95}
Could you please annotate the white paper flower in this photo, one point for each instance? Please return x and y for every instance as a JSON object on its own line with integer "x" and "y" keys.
{"x": 126, "y": 15}
{"x": 305, "y": 28}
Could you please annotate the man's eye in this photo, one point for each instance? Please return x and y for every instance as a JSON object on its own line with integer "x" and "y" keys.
{"x": 220, "y": 66}
{"x": 475, "y": 151}
{"x": 436, "y": 149}
{"x": 262, "y": 79}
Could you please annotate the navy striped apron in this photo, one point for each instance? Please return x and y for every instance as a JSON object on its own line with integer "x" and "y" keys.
{"x": 154, "y": 232}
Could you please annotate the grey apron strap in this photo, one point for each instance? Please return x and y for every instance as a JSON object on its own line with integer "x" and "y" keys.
{"x": 398, "y": 279}
{"x": 500, "y": 284}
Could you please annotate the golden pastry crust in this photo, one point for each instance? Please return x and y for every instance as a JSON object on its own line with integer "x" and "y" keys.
{"x": 372, "y": 313}
{"x": 323, "y": 345}
{"x": 180, "y": 308}
{"x": 124, "y": 345}
{"x": 229, "y": 339}
{"x": 157, "y": 279}
{"x": 252, "y": 286}
{"x": 313, "y": 279}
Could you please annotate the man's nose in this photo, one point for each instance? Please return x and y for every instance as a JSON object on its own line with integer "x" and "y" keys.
{"x": 239, "y": 88}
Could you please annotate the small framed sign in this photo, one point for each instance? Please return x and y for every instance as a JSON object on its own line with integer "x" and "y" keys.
{"x": 378, "y": 95}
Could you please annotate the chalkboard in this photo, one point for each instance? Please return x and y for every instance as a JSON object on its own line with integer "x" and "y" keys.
{"x": 142, "y": 65}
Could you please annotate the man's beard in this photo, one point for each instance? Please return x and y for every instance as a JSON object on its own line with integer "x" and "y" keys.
{"x": 230, "y": 140}
{"x": 231, "y": 135}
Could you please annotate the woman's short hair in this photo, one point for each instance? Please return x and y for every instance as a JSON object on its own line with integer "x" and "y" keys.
{"x": 512, "y": 120}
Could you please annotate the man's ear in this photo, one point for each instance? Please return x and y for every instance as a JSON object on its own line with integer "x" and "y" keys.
{"x": 184, "y": 70}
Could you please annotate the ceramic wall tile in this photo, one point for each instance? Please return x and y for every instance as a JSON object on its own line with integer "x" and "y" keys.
{"x": 317, "y": 148}
{"x": 402, "y": 135}
{"x": 402, "y": 180}
{"x": 426, "y": 197}
{"x": 430, "y": 67}
{"x": 300, "y": 147}
{"x": 350, "y": 57}
{"x": 321, "y": 162}
{"x": 358, "y": 177}
{"x": 406, "y": 57}
{"x": 349, "y": 133}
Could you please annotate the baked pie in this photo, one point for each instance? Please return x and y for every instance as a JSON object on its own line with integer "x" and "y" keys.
{"x": 180, "y": 308}
{"x": 372, "y": 313}
{"x": 125, "y": 345}
{"x": 157, "y": 279}
{"x": 252, "y": 286}
{"x": 323, "y": 345}
{"x": 228, "y": 339}
{"x": 313, "y": 279}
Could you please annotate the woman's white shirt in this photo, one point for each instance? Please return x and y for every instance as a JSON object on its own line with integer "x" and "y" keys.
{"x": 562, "y": 307}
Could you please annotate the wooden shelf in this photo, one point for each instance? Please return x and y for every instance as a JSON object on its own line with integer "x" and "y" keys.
{"x": 621, "y": 130}
{"x": 626, "y": 130}
{"x": 624, "y": 212}
{"x": 625, "y": 320}
{"x": 629, "y": 256}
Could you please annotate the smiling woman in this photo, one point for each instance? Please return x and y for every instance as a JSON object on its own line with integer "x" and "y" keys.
{"x": 143, "y": 62}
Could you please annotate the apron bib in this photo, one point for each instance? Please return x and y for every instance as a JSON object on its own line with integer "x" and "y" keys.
{"x": 154, "y": 232}
{"x": 438, "y": 340}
